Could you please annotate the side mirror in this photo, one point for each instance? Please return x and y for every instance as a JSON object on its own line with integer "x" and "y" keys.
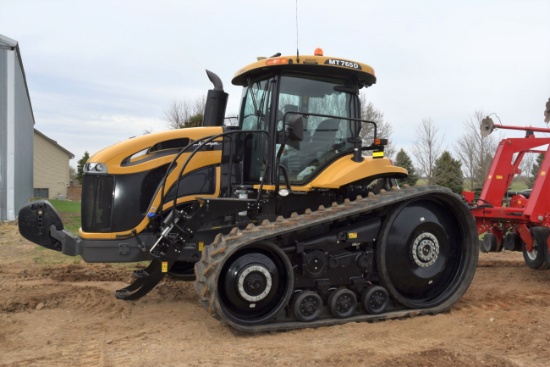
{"x": 295, "y": 127}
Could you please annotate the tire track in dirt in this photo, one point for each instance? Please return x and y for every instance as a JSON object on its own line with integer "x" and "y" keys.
{"x": 503, "y": 301}
{"x": 38, "y": 296}
{"x": 504, "y": 283}
{"x": 444, "y": 357}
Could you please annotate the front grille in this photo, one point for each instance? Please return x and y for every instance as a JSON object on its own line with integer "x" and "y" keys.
{"x": 97, "y": 203}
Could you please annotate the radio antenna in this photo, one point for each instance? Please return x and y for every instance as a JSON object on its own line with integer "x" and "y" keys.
{"x": 297, "y": 48}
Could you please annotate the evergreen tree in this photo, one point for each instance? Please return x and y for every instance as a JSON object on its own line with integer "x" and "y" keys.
{"x": 194, "y": 121}
{"x": 448, "y": 172}
{"x": 80, "y": 166}
{"x": 535, "y": 170}
{"x": 403, "y": 160}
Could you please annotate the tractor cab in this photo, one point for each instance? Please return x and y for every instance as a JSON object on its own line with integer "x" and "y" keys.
{"x": 304, "y": 113}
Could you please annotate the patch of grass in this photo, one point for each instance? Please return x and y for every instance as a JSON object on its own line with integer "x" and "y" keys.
{"x": 69, "y": 212}
{"x": 518, "y": 184}
{"x": 45, "y": 256}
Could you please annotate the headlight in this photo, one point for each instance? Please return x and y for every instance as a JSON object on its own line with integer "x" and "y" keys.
{"x": 95, "y": 168}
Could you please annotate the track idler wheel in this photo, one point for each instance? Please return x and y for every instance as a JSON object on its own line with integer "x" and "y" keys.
{"x": 375, "y": 299}
{"x": 307, "y": 306}
{"x": 428, "y": 251}
{"x": 342, "y": 303}
{"x": 254, "y": 284}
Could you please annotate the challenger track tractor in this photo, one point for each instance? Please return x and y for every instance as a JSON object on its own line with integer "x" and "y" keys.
{"x": 288, "y": 220}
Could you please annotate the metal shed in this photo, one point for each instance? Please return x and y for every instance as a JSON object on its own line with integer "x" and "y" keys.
{"x": 16, "y": 132}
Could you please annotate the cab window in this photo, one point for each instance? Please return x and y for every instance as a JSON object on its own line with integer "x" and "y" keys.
{"x": 254, "y": 116}
{"x": 325, "y": 135}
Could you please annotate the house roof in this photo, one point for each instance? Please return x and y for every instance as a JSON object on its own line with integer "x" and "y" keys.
{"x": 71, "y": 155}
{"x": 7, "y": 43}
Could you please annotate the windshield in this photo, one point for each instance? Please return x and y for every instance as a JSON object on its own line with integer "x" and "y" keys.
{"x": 255, "y": 105}
{"x": 325, "y": 135}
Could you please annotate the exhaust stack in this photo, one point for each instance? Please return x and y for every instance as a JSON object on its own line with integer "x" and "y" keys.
{"x": 216, "y": 102}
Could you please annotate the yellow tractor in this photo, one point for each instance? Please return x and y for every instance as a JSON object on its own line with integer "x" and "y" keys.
{"x": 289, "y": 219}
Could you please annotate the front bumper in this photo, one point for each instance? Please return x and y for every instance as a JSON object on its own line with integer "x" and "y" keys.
{"x": 128, "y": 250}
{"x": 40, "y": 223}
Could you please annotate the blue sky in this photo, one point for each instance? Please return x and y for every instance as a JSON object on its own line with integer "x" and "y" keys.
{"x": 102, "y": 71}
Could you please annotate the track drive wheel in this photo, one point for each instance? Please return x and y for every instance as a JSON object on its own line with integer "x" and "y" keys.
{"x": 538, "y": 257}
{"x": 428, "y": 251}
{"x": 375, "y": 299}
{"x": 307, "y": 306}
{"x": 246, "y": 284}
{"x": 342, "y": 303}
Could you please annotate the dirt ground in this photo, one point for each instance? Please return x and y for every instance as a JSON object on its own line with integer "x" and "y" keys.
{"x": 65, "y": 314}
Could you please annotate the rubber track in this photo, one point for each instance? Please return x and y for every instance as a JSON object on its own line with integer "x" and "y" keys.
{"x": 214, "y": 255}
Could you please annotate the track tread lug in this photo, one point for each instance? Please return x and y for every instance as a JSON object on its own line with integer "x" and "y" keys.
{"x": 219, "y": 250}
{"x": 208, "y": 269}
{"x": 217, "y": 240}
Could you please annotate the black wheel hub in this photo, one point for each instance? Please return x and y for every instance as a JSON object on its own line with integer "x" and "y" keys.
{"x": 342, "y": 303}
{"x": 375, "y": 299}
{"x": 307, "y": 306}
{"x": 425, "y": 250}
{"x": 255, "y": 284}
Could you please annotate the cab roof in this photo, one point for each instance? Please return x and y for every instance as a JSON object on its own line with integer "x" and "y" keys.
{"x": 313, "y": 64}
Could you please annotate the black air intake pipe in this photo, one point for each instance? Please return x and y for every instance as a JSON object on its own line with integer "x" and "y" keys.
{"x": 216, "y": 102}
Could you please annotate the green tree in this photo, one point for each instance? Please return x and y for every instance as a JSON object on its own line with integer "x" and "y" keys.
{"x": 80, "y": 166}
{"x": 535, "y": 170}
{"x": 448, "y": 172}
{"x": 403, "y": 160}
{"x": 72, "y": 173}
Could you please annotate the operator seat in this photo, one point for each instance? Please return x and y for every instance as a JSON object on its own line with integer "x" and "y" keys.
{"x": 325, "y": 134}
{"x": 294, "y": 158}
{"x": 324, "y": 137}
{"x": 289, "y": 108}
